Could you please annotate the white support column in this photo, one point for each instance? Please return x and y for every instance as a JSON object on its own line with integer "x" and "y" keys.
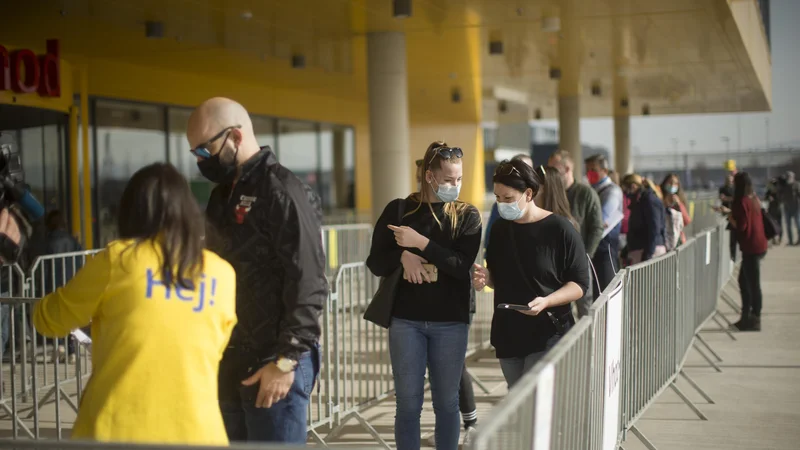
{"x": 622, "y": 144}
{"x": 569, "y": 130}
{"x": 388, "y": 118}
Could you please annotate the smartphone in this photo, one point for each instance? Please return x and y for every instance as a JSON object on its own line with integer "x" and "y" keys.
{"x": 514, "y": 307}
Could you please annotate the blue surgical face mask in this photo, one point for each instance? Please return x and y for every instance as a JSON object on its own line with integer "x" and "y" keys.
{"x": 448, "y": 193}
{"x": 673, "y": 189}
{"x": 510, "y": 211}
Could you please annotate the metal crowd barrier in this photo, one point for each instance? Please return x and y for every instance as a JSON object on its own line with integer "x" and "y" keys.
{"x": 589, "y": 391}
{"x": 91, "y": 445}
{"x": 345, "y": 244}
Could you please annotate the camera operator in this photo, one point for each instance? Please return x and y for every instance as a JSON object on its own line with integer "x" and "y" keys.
{"x": 10, "y": 237}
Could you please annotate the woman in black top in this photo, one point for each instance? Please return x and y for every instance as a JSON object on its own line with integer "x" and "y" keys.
{"x": 647, "y": 222}
{"x": 536, "y": 261}
{"x": 436, "y": 244}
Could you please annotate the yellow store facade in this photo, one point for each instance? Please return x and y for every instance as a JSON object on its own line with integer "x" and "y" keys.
{"x": 130, "y": 72}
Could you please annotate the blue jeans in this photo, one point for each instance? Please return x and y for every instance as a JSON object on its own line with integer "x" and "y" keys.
{"x": 514, "y": 368}
{"x": 792, "y": 218}
{"x": 439, "y": 346}
{"x": 286, "y": 421}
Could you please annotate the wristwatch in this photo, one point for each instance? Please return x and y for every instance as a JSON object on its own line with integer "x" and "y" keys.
{"x": 286, "y": 365}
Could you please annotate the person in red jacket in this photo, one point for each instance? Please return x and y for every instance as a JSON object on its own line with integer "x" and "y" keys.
{"x": 748, "y": 225}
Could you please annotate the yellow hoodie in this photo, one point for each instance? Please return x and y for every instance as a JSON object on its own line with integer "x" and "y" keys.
{"x": 155, "y": 351}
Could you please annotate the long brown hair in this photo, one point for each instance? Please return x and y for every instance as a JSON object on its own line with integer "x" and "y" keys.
{"x": 453, "y": 210}
{"x": 680, "y": 194}
{"x": 554, "y": 195}
{"x": 158, "y": 206}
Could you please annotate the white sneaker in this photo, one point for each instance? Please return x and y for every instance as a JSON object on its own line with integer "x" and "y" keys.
{"x": 468, "y": 435}
{"x": 432, "y": 440}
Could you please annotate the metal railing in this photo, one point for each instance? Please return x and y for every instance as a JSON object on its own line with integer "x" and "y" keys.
{"x": 356, "y": 371}
{"x": 594, "y": 385}
{"x": 90, "y": 445}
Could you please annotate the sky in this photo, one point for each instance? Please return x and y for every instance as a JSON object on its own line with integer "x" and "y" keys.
{"x": 654, "y": 134}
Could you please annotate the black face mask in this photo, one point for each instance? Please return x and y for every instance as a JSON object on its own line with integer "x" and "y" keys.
{"x": 216, "y": 172}
{"x": 213, "y": 169}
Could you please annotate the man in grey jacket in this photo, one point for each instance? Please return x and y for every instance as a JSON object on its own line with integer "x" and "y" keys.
{"x": 585, "y": 207}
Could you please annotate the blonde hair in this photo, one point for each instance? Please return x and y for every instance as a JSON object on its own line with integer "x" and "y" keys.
{"x": 637, "y": 179}
{"x": 453, "y": 210}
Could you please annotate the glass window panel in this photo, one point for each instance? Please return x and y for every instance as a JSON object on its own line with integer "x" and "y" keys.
{"x": 129, "y": 137}
{"x": 264, "y": 129}
{"x": 336, "y": 170}
{"x": 297, "y": 146}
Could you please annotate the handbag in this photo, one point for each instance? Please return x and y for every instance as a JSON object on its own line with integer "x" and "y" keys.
{"x": 771, "y": 226}
{"x": 561, "y": 325}
{"x": 379, "y": 310}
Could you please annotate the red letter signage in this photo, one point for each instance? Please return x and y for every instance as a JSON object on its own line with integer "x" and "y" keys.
{"x": 23, "y": 72}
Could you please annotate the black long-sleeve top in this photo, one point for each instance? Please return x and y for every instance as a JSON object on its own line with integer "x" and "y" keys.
{"x": 448, "y": 299}
{"x": 647, "y": 224}
{"x": 269, "y": 226}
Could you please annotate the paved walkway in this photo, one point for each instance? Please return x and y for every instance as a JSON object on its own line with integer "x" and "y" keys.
{"x": 757, "y": 395}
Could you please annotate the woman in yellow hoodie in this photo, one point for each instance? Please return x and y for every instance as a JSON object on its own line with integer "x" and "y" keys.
{"x": 162, "y": 309}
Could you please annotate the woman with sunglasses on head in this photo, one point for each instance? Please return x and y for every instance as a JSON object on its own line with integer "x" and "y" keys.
{"x": 537, "y": 266}
{"x": 161, "y": 309}
{"x": 434, "y": 240}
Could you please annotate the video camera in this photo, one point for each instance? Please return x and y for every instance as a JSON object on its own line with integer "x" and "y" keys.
{"x": 16, "y": 197}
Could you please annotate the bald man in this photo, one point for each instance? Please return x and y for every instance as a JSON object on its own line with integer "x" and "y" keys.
{"x": 269, "y": 224}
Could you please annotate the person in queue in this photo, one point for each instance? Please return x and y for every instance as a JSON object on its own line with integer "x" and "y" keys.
{"x": 466, "y": 394}
{"x": 494, "y": 215}
{"x": 774, "y": 206}
{"x": 748, "y": 225}
{"x": 430, "y": 319}
{"x": 586, "y": 209}
{"x": 161, "y": 309}
{"x": 552, "y": 196}
{"x": 646, "y": 224}
{"x": 537, "y": 263}
{"x": 270, "y": 224}
{"x": 675, "y": 198}
{"x": 726, "y": 200}
{"x": 57, "y": 240}
{"x": 607, "y": 255}
{"x": 790, "y": 199}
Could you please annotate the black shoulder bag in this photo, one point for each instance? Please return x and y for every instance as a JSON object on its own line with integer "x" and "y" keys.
{"x": 380, "y": 308}
{"x": 562, "y": 325}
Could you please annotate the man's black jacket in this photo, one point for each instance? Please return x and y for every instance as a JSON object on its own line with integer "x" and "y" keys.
{"x": 268, "y": 226}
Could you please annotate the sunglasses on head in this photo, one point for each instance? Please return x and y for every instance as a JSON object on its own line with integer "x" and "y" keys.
{"x": 505, "y": 169}
{"x": 447, "y": 153}
{"x": 202, "y": 149}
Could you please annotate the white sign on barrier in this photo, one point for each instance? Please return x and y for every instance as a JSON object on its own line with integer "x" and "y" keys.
{"x": 613, "y": 369}
{"x": 708, "y": 248}
{"x": 543, "y": 409}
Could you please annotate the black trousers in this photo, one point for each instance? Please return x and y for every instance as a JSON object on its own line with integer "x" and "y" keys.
{"x": 466, "y": 399}
{"x": 750, "y": 284}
